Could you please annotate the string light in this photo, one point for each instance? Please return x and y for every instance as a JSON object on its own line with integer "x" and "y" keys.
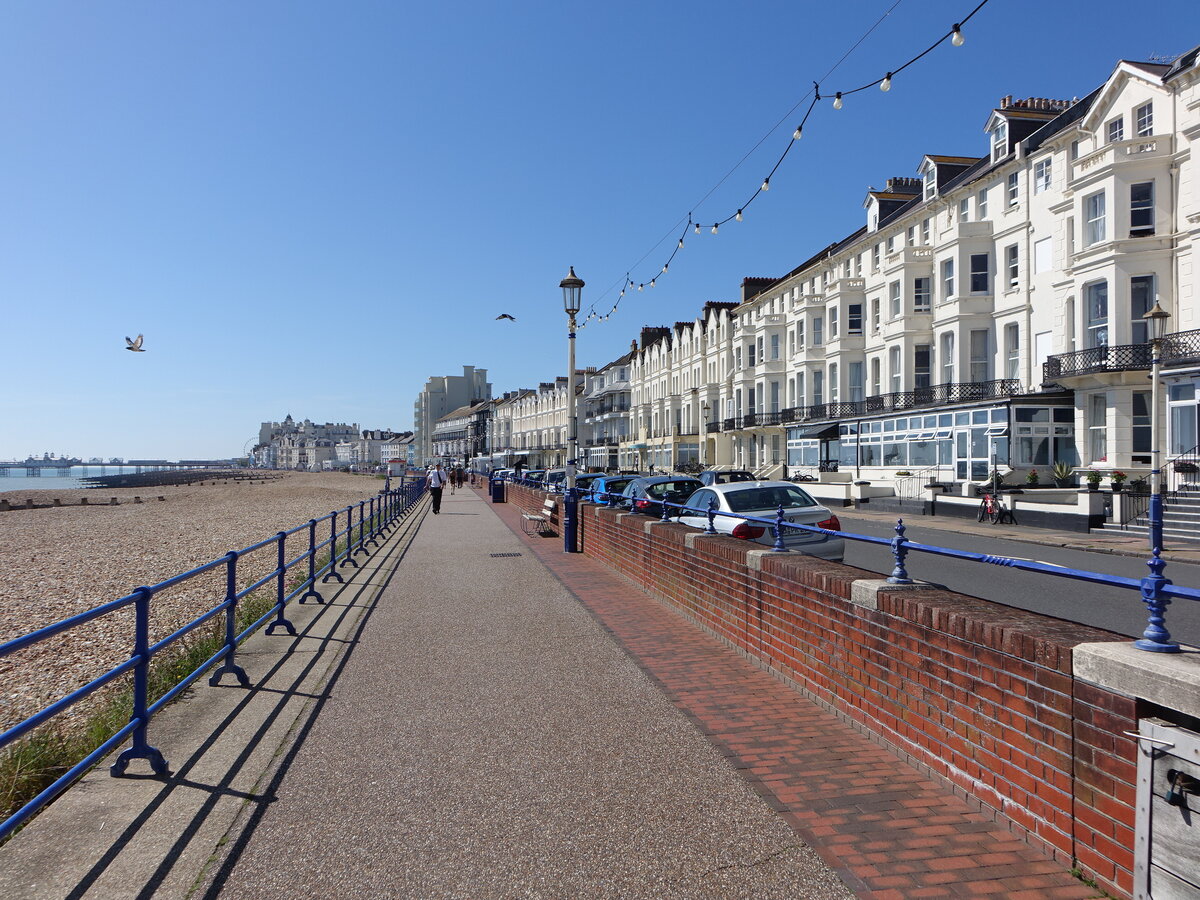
{"x": 885, "y": 84}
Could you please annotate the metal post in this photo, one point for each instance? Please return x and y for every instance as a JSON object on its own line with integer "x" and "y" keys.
{"x": 349, "y": 560}
{"x": 712, "y": 515}
{"x": 1156, "y": 496}
{"x": 570, "y": 502}
{"x": 333, "y": 563}
{"x": 779, "y": 548}
{"x": 312, "y": 564}
{"x": 229, "y": 664}
{"x": 281, "y": 589}
{"x": 362, "y": 528}
{"x": 141, "y": 749}
{"x": 373, "y": 539}
{"x": 899, "y": 551}
{"x": 1156, "y": 638}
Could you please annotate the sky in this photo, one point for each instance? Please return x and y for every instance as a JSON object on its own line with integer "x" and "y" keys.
{"x": 310, "y": 208}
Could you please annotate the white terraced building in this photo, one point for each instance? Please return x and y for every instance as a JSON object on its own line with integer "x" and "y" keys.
{"x": 988, "y": 311}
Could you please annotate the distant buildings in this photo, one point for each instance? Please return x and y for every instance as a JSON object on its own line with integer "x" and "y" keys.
{"x": 442, "y": 395}
{"x": 312, "y": 447}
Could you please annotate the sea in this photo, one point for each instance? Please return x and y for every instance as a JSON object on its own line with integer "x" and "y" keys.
{"x": 57, "y": 479}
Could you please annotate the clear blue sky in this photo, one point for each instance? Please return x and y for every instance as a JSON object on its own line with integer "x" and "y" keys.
{"x": 310, "y": 208}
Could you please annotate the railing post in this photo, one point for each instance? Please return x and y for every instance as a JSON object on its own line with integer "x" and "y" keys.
{"x": 666, "y": 512}
{"x": 779, "y": 548}
{"x": 376, "y": 515}
{"x": 312, "y": 564}
{"x": 362, "y": 528}
{"x": 333, "y": 563}
{"x": 899, "y": 551}
{"x": 281, "y": 589}
{"x": 1156, "y": 638}
{"x": 229, "y": 663}
{"x": 141, "y": 681}
{"x": 349, "y": 560}
{"x": 712, "y": 515}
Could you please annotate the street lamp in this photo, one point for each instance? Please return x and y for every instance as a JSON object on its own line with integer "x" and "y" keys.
{"x": 1156, "y": 326}
{"x": 704, "y": 409}
{"x": 572, "y": 288}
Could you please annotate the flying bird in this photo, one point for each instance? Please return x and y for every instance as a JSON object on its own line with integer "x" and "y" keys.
{"x": 135, "y": 346}
{"x": 505, "y": 316}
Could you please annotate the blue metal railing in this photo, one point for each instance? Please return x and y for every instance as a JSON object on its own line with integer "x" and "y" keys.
{"x": 375, "y": 516}
{"x": 1156, "y": 590}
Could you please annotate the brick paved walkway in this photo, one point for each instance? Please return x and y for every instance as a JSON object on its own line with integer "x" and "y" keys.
{"x": 889, "y": 830}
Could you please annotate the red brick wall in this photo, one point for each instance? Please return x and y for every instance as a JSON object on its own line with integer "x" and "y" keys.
{"x": 979, "y": 693}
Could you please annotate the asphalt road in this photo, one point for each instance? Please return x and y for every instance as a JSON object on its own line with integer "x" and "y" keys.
{"x": 1115, "y": 609}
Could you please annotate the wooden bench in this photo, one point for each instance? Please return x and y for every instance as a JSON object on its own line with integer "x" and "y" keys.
{"x": 539, "y": 523}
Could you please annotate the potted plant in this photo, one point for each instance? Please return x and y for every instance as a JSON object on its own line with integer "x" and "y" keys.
{"x": 1063, "y": 474}
{"x": 1031, "y": 477}
{"x": 1186, "y": 468}
{"x": 1118, "y": 481}
{"x": 902, "y": 473}
{"x": 1093, "y": 479}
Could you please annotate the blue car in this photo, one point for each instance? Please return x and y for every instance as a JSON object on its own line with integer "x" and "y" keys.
{"x": 612, "y": 485}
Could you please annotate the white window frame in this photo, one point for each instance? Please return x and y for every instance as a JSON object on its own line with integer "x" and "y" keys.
{"x": 1012, "y": 351}
{"x": 947, "y": 280}
{"x": 1000, "y": 141}
{"x": 1114, "y": 130}
{"x": 895, "y": 301}
{"x": 1095, "y": 218}
{"x": 1012, "y": 265}
{"x": 1042, "y": 174}
{"x": 1137, "y": 209}
{"x": 964, "y": 209}
{"x": 1014, "y": 188}
{"x": 922, "y": 294}
{"x": 1143, "y": 118}
{"x": 980, "y": 279}
{"x": 981, "y": 206}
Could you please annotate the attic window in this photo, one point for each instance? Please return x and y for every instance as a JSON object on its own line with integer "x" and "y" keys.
{"x": 1000, "y": 141}
{"x": 930, "y": 182}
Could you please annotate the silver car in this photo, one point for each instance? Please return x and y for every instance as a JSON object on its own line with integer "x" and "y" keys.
{"x": 761, "y": 500}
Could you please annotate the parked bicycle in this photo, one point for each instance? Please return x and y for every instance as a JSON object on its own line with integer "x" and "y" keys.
{"x": 993, "y": 508}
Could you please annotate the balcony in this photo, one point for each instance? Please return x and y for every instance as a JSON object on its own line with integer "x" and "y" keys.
{"x": 1096, "y": 360}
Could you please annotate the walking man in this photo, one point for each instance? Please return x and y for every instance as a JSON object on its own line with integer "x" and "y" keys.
{"x": 437, "y": 480}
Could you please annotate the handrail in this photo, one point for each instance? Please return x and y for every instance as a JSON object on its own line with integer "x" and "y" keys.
{"x": 1155, "y": 590}
{"x": 386, "y": 509}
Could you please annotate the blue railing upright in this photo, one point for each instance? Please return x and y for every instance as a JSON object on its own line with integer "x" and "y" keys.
{"x": 375, "y": 516}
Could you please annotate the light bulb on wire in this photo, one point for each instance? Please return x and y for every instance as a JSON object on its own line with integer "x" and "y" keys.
{"x": 957, "y": 39}
{"x": 652, "y": 280}
{"x": 886, "y": 84}
{"x": 837, "y": 100}
{"x": 798, "y": 133}
{"x": 739, "y": 215}
{"x": 697, "y": 228}
{"x": 766, "y": 185}
{"x": 681, "y": 243}
{"x": 665, "y": 268}
{"x": 715, "y": 228}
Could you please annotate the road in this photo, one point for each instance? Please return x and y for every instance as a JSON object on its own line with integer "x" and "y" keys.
{"x": 1114, "y": 609}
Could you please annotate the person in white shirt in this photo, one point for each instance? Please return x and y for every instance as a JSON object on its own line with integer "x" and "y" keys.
{"x": 437, "y": 480}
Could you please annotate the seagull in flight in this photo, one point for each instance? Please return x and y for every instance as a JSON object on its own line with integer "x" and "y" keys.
{"x": 135, "y": 345}
{"x": 506, "y": 316}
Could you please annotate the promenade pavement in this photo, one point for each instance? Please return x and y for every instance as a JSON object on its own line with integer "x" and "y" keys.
{"x": 479, "y": 714}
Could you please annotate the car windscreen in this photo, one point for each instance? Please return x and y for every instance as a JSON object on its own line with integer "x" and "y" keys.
{"x": 768, "y": 498}
{"x": 739, "y": 476}
{"x": 663, "y": 488}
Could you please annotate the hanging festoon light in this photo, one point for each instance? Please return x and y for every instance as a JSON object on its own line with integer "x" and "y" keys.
{"x": 957, "y": 38}
{"x": 652, "y": 281}
{"x": 640, "y": 286}
{"x": 681, "y": 243}
{"x": 739, "y": 215}
{"x": 715, "y": 226}
{"x": 798, "y": 133}
{"x": 665, "y": 265}
{"x": 837, "y": 100}
{"x": 697, "y": 228}
{"x": 886, "y": 84}
{"x": 766, "y": 185}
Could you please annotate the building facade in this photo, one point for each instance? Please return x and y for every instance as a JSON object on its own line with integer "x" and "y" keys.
{"x": 442, "y": 395}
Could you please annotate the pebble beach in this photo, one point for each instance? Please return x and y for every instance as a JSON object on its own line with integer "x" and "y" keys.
{"x": 62, "y": 560}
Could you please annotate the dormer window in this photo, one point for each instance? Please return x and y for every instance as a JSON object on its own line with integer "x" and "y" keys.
{"x": 1000, "y": 141}
{"x": 930, "y": 182}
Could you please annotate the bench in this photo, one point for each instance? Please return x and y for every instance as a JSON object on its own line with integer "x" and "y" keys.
{"x": 539, "y": 523}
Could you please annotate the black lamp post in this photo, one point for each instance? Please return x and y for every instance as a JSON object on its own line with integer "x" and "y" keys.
{"x": 572, "y": 288}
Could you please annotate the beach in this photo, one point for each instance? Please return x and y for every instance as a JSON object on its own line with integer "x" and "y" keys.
{"x": 62, "y": 560}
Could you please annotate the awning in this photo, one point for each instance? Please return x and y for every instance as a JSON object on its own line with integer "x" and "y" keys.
{"x": 824, "y": 432}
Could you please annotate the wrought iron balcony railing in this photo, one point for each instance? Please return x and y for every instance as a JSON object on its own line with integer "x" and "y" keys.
{"x": 1115, "y": 358}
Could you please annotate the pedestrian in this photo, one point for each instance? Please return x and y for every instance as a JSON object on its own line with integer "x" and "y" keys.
{"x": 436, "y": 481}
{"x": 461, "y": 475}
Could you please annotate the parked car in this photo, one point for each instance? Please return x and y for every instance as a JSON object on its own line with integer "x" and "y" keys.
{"x": 715, "y": 477}
{"x": 608, "y": 485}
{"x": 535, "y": 475}
{"x": 584, "y": 482}
{"x": 761, "y": 500}
{"x": 648, "y": 493}
{"x": 555, "y": 479}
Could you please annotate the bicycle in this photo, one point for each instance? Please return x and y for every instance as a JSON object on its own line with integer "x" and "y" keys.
{"x": 993, "y": 508}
